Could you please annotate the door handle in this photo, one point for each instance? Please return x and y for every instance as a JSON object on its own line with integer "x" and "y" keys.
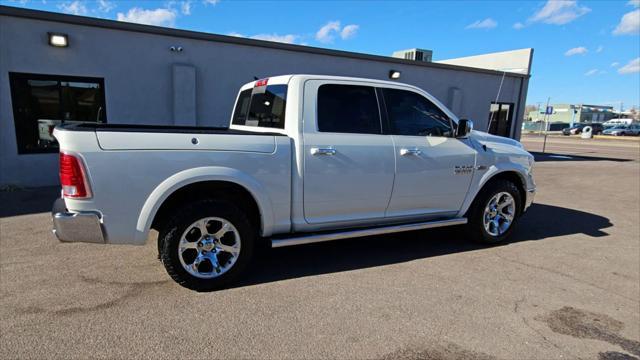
{"x": 323, "y": 151}
{"x": 414, "y": 152}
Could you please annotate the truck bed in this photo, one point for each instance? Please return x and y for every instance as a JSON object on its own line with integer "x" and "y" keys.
{"x": 151, "y": 137}
{"x": 94, "y": 127}
{"x": 133, "y": 167}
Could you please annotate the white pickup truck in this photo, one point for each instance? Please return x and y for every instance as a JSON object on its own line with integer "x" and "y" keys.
{"x": 305, "y": 159}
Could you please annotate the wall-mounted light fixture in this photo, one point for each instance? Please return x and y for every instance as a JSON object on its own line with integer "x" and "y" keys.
{"x": 58, "y": 39}
{"x": 394, "y": 74}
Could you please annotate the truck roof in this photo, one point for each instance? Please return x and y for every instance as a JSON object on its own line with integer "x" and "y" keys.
{"x": 285, "y": 79}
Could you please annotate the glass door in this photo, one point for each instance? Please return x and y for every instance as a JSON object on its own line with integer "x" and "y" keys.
{"x": 40, "y": 102}
{"x": 500, "y": 116}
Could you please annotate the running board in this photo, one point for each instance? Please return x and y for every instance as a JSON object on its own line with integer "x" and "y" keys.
{"x": 314, "y": 238}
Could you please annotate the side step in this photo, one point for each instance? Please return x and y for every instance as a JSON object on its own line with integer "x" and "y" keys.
{"x": 345, "y": 234}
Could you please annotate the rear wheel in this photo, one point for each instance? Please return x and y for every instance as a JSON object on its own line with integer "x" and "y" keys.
{"x": 207, "y": 245}
{"x": 494, "y": 212}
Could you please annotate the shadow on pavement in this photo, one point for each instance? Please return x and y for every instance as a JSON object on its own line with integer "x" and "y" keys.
{"x": 28, "y": 201}
{"x": 542, "y": 157}
{"x": 539, "y": 223}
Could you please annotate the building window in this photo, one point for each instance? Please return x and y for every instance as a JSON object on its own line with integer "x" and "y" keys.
{"x": 40, "y": 102}
{"x": 500, "y": 115}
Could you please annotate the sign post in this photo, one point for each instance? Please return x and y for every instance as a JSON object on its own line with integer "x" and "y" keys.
{"x": 548, "y": 111}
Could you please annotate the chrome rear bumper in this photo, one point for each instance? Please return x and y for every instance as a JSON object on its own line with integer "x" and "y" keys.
{"x": 76, "y": 226}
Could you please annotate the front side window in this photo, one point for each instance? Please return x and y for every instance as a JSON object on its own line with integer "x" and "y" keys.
{"x": 261, "y": 107}
{"x": 40, "y": 102}
{"x": 348, "y": 109}
{"x": 412, "y": 114}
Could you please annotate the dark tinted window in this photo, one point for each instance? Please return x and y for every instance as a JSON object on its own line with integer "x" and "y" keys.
{"x": 262, "y": 107}
{"x": 412, "y": 114}
{"x": 348, "y": 109}
{"x": 242, "y": 108}
{"x": 40, "y": 102}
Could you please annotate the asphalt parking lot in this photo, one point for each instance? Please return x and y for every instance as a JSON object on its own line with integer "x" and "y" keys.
{"x": 566, "y": 286}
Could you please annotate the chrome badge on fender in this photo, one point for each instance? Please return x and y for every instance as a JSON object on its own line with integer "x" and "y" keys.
{"x": 463, "y": 169}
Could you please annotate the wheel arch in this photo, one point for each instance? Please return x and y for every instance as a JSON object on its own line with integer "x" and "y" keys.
{"x": 513, "y": 175}
{"x": 219, "y": 182}
{"x": 517, "y": 179}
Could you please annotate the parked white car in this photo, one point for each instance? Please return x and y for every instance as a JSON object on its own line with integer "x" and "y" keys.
{"x": 622, "y": 130}
{"x": 616, "y": 122}
{"x": 305, "y": 159}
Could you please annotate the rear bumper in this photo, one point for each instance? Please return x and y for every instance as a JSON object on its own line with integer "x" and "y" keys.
{"x": 76, "y": 226}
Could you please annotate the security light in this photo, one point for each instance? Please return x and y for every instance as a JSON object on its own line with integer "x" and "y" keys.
{"x": 394, "y": 74}
{"x": 58, "y": 40}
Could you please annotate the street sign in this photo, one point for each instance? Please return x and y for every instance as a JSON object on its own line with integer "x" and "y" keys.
{"x": 549, "y": 110}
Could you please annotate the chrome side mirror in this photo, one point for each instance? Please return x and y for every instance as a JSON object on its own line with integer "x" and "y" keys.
{"x": 464, "y": 128}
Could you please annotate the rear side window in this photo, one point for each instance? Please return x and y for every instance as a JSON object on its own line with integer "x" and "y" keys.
{"x": 412, "y": 114}
{"x": 348, "y": 109}
{"x": 261, "y": 107}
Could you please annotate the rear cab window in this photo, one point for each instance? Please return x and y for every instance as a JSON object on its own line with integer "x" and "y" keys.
{"x": 349, "y": 109}
{"x": 262, "y": 106}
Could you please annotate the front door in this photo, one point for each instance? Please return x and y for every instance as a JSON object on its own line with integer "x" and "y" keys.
{"x": 348, "y": 162}
{"x": 433, "y": 168}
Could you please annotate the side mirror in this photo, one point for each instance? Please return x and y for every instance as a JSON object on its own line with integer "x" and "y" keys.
{"x": 464, "y": 128}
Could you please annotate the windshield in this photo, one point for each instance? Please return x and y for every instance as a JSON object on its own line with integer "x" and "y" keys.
{"x": 261, "y": 106}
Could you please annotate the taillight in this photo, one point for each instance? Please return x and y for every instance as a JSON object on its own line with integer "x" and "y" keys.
{"x": 72, "y": 177}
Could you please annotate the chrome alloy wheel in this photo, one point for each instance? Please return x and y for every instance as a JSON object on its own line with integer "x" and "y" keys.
{"x": 499, "y": 213}
{"x": 209, "y": 247}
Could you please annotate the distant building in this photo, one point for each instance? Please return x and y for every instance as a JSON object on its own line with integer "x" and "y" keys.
{"x": 576, "y": 113}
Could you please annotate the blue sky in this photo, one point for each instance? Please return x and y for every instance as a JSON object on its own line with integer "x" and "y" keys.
{"x": 585, "y": 51}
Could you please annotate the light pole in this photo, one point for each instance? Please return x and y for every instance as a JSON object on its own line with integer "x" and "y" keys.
{"x": 546, "y": 124}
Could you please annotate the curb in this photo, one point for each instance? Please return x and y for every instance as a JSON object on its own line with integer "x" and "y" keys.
{"x": 598, "y": 137}
{"x": 612, "y": 137}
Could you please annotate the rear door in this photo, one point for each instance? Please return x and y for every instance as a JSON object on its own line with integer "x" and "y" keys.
{"x": 433, "y": 168}
{"x": 348, "y": 161}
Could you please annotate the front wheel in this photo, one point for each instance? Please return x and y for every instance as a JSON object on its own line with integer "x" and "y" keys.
{"x": 494, "y": 213}
{"x": 207, "y": 244}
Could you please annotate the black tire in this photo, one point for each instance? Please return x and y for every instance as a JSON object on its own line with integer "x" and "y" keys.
{"x": 170, "y": 236}
{"x": 475, "y": 227}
